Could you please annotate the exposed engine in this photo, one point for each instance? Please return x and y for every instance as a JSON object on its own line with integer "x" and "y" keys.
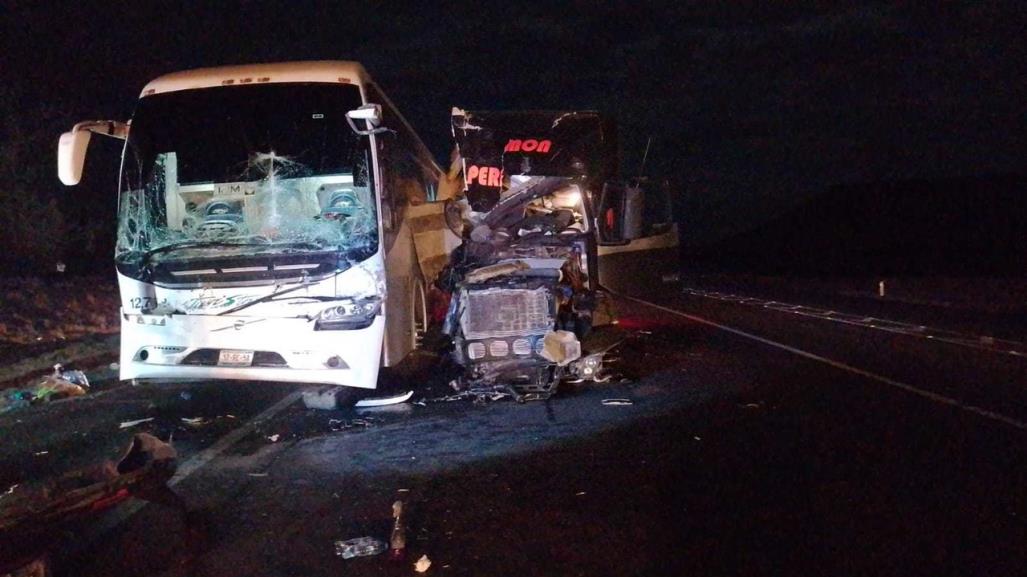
{"x": 521, "y": 299}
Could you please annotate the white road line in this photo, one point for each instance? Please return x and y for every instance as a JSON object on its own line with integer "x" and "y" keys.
{"x": 981, "y": 343}
{"x": 941, "y": 399}
{"x": 194, "y": 463}
{"x": 210, "y": 453}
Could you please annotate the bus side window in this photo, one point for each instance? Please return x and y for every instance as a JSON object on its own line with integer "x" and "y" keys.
{"x": 402, "y": 176}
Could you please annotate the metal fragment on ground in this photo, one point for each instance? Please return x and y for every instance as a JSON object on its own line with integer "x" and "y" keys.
{"x": 384, "y": 401}
{"x": 127, "y": 424}
{"x": 617, "y": 402}
{"x": 344, "y": 425}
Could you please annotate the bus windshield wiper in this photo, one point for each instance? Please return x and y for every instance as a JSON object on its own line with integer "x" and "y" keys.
{"x": 279, "y": 290}
{"x": 146, "y": 256}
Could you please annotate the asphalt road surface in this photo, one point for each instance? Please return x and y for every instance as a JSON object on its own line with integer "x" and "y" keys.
{"x": 758, "y": 441}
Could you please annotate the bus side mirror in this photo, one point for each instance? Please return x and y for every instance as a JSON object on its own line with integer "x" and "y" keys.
{"x": 71, "y": 148}
{"x": 619, "y": 217}
{"x": 71, "y": 155}
{"x": 371, "y": 115}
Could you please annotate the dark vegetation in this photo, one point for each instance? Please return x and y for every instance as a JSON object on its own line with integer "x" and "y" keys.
{"x": 956, "y": 227}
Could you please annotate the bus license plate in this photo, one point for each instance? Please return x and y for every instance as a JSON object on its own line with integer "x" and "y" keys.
{"x": 235, "y": 358}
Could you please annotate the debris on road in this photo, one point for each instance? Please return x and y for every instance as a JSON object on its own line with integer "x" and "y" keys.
{"x": 127, "y": 424}
{"x": 60, "y": 384}
{"x": 335, "y": 425}
{"x": 479, "y": 395}
{"x": 322, "y": 398}
{"x": 359, "y": 547}
{"x": 274, "y": 438}
{"x": 422, "y": 564}
{"x": 384, "y": 401}
{"x": 618, "y": 402}
{"x": 398, "y": 538}
{"x": 195, "y": 421}
{"x": 9, "y": 491}
{"x": 28, "y": 523}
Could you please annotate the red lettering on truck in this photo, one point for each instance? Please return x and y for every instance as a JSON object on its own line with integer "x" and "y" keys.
{"x": 485, "y": 175}
{"x": 528, "y": 145}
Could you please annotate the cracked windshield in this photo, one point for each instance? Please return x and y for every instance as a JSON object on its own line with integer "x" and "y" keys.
{"x": 268, "y": 169}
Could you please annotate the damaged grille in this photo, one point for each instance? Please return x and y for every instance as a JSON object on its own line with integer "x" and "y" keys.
{"x": 499, "y": 312}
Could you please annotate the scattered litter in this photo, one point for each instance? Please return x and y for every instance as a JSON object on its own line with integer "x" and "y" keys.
{"x": 383, "y": 401}
{"x": 114, "y": 366}
{"x": 143, "y": 470}
{"x": 398, "y": 538}
{"x": 274, "y": 438}
{"x": 344, "y": 425}
{"x": 402, "y": 490}
{"x": 186, "y": 395}
{"x": 195, "y": 421}
{"x": 579, "y": 493}
{"x": 360, "y": 547}
{"x": 617, "y": 402}
{"x": 642, "y": 332}
{"x": 697, "y": 438}
{"x": 9, "y": 491}
{"x": 422, "y": 564}
{"x": 480, "y": 395}
{"x": 41, "y": 453}
{"x": 751, "y": 406}
{"x": 74, "y": 377}
{"x": 60, "y": 384}
{"x": 258, "y": 474}
{"x": 128, "y": 424}
{"x": 322, "y": 398}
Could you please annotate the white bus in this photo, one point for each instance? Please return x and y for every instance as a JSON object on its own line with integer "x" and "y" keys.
{"x": 261, "y": 231}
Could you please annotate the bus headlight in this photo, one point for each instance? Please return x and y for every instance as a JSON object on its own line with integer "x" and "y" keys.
{"x": 349, "y": 315}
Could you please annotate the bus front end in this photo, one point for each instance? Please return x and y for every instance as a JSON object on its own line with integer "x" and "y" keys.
{"x": 248, "y": 242}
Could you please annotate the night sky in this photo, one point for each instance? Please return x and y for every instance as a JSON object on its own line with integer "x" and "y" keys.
{"x": 751, "y": 106}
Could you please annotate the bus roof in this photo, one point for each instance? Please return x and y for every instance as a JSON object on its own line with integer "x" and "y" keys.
{"x": 330, "y": 71}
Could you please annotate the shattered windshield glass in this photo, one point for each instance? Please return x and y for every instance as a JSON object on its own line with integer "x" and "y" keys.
{"x": 260, "y": 169}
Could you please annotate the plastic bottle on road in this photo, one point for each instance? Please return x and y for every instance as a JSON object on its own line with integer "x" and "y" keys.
{"x": 360, "y": 547}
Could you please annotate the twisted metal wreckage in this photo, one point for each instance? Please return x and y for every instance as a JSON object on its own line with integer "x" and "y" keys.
{"x": 523, "y": 281}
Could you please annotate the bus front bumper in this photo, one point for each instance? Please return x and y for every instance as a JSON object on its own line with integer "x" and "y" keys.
{"x": 249, "y": 348}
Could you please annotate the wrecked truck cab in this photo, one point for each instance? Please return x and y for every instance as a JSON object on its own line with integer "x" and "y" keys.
{"x": 262, "y": 230}
{"x": 524, "y": 284}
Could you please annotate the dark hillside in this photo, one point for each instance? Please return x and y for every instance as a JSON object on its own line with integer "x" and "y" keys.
{"x": 952, "y": 227}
